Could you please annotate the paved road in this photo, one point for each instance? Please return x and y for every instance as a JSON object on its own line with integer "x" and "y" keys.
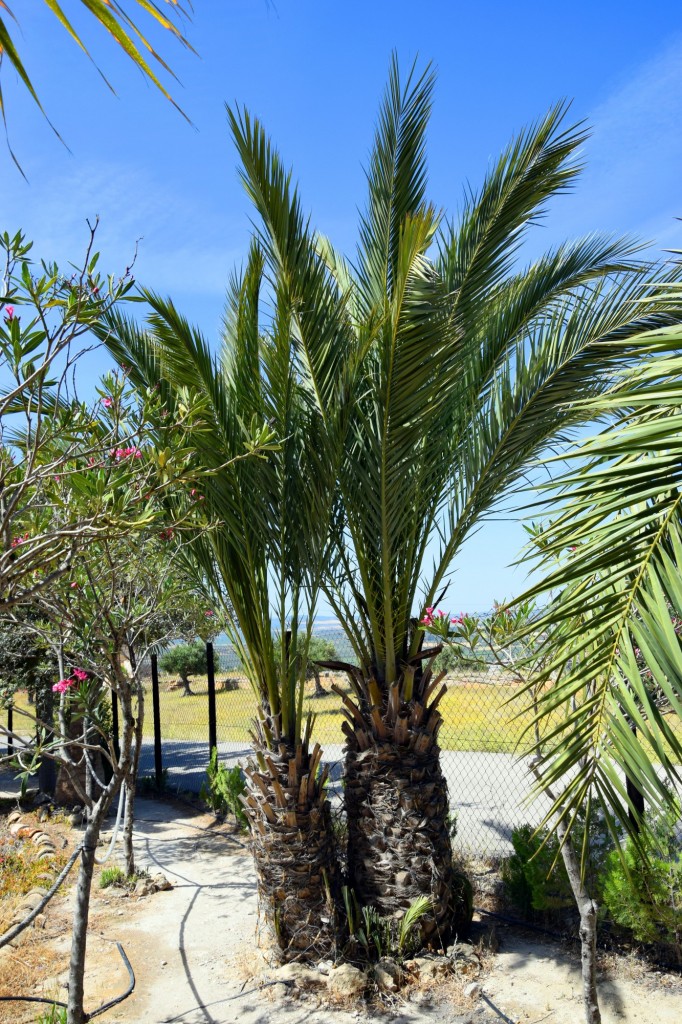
{"x": 487, "y": 791}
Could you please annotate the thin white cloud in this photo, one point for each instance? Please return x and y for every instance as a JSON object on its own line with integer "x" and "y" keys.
{"x": 182, "y": 245}
{"x": 633, "y": 176}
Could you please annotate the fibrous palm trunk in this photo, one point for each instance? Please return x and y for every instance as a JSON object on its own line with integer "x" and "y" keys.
{"x": 293, "y": 847}
{"x": 397, "y": 803}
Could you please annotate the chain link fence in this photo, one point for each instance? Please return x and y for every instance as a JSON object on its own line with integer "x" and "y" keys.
{"x": 489, "y": 784}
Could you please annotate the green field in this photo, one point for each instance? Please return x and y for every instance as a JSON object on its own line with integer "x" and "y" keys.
{"x": 474, "y": 715}
{"x": 474, "y": 712}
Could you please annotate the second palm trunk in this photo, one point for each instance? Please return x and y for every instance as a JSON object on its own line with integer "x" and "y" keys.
{"x": 397, "y": 805}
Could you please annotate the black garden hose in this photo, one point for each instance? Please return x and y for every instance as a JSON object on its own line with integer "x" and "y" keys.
{"x": 87, "y": 1016}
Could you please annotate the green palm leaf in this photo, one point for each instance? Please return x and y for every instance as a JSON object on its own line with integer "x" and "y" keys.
{"x": 613, "y": 552}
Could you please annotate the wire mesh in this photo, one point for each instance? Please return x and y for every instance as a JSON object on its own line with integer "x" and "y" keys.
{"x": 489, "y": 783}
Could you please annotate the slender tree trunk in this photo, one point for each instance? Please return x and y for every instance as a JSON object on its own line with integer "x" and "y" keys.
{"x": 186, "y": 691}
{"x": 79, "y": 934}
{"x": 319, "y": 689}
{"x": 97, "y": 813}
{"x": 587, "y": 908}
{"x": 131, "y": 774}
{"x": 47, "y": 773}
{"x": 131, "y": 785}
{"x": 128, "y": 823}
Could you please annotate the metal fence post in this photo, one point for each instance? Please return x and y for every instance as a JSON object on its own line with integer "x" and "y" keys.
{"x": 10, "y": 728}
{"x": 158, "y": 762}
{"x": 212, "y": 722}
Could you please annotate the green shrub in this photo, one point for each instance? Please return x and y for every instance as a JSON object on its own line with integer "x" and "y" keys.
{"x": 646, "y": 897}
{"x": 146, "y": 785}
{"x": 53, "y": 1015}
{"x": 529, "y": 879}
{"x": 223, "y": 789}
{"x": 535, "y": 877}
{"x": 375, "y": 936}
{"x": 463, "y": 893}
{"x": 111, "y": 876}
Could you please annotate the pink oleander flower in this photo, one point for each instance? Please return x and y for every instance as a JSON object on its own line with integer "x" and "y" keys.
{"x": 167, "y": 534}
{"x": 208, "y": 614}
{"x": 427, "y": 620}
{"x": 107, "y": 402}
{"x": 79, "y": 674}
{"x": 429, "y": 611}
{"x": 16, "y": 541}
{"x": 125, "y": 453}
{"x": 74, "y": 585}
{"x": 440, "y": 613}
{"x": 9, "y": 313}
{"x": 63, "y": 685}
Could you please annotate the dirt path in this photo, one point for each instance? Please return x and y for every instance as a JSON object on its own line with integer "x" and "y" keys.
{"x": 194, "y": 949}
{"x": 195, "y": 953}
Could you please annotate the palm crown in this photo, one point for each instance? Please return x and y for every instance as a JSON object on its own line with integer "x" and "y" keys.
{"x": 460, "y": 367}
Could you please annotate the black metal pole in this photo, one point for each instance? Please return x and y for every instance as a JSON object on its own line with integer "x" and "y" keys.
{"x": 635, "y": 796}
{"x": 158, "y": 762}
{"x": 10, "y": 728}
{"x": 212, "y": 723}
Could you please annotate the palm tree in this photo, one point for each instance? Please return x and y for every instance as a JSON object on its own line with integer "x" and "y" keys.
{"x": 611, "y": 548}
{"x": 264, "y": 553}
{"x": 465, "y": 367}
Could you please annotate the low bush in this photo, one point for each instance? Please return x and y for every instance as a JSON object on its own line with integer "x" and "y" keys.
{"x": 375, "y": 937}
{"x": 112, "y": 876}
{"x": 223, "y": 789}
{"x": 534, "y": 876}
{"x": 644, "y": 895}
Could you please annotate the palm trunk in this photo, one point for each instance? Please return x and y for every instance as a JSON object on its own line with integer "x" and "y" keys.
{"x": 397, "y": 804}
{"x": 293, "y": 848}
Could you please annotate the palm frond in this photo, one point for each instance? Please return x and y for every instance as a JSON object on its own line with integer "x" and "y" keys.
{"x": 396, "y": 179}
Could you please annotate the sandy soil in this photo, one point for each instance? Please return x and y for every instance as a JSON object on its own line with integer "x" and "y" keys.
{"x": 195, "y": 953}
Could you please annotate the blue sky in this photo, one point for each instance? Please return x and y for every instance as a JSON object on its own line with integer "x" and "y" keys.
{"x": 314, "y": 73}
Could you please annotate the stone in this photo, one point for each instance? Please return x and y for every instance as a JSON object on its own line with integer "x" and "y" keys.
{"x": 473, "y": 990}
{"x": 388, "y": 976}
{"x": 280, "y": 992}
{"x": 346, "y": 982}
{"x": 161, "y": 882}
{"x": 430, "y": 968}
{"x": 144, "y": 887}
{"x": 299, "y": 975}
{"x": 40, "y": 921}
{"x": 325, "y": 966}
{"x": 461, "y": 950}
{"x": 421, "y": 998}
